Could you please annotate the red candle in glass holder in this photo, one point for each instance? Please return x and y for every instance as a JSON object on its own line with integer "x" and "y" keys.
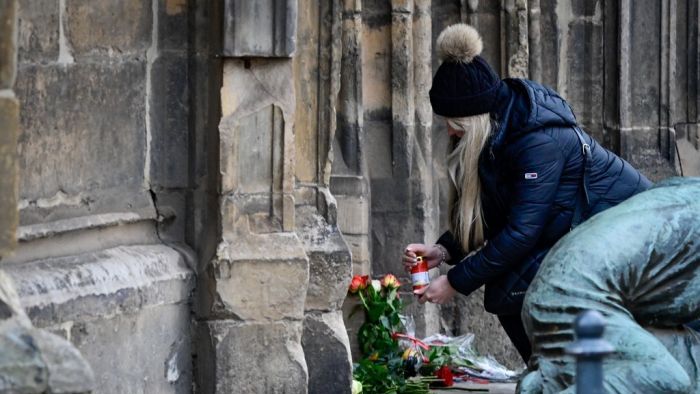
{"x": 419, "y": 274}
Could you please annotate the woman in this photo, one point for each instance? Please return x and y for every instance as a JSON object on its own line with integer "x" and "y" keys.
{"x": 525, "y": 174}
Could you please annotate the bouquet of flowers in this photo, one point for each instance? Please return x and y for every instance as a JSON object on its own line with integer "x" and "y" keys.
{"x": 392, "y": 359}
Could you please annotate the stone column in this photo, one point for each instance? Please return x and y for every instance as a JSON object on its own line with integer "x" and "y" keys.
{"x": 514, "y": 39}
{"x": 282, "y": 267}
{"x": 9, "y": 126}
{"x": 250, "y": 336}
{"x": 325, "y": 102}
{"x": 643, "y": 86}
{"x": 350, "y": 173}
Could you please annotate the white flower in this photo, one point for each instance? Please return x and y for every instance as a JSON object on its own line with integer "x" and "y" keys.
{"x": 377, "y": 285}
{"x": 356, "y": 387}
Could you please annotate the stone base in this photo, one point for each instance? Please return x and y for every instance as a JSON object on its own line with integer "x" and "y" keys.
{"x": 327, "y": 350}
{"x": 126, "y": 309}
{"x": 237, "y": 357}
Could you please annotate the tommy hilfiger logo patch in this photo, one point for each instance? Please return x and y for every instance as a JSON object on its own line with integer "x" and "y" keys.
{"x": 530, "y": 175}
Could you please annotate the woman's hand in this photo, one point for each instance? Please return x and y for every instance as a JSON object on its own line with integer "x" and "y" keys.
{"x": 431, "y": 254}
{"x": 438, "y": 292}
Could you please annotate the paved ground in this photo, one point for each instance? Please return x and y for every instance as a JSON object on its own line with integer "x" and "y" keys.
{"x": 492, "y": 388}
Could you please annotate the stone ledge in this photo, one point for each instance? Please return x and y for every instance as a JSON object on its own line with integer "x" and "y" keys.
{"x": 61, "y": 226}
{"x": 93, "y": 286}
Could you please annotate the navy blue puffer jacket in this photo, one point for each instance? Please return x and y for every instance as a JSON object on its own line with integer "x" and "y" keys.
{"x": 531, "y": 176}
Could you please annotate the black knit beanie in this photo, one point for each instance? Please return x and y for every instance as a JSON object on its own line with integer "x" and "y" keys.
{"x": 464, "y": 84}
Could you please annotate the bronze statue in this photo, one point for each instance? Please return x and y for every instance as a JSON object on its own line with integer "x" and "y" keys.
{"x": 639, "y": 265}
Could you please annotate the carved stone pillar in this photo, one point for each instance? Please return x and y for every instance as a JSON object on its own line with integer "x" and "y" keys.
{"x": 514, "y": 39}
{"x": 325, "y": 102}
{"x": 651, "y": 101}
{"x": 9, "y": 126}
{"x": 252, "y": 294}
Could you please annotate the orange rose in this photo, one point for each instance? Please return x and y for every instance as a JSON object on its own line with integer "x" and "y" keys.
{"x": 358, "y": 283}
{"x": 390, "y": 282}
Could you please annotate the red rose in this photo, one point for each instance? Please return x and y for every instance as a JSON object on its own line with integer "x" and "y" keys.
{"x": 358, "y": 283}
{"x": 445, "y": 373}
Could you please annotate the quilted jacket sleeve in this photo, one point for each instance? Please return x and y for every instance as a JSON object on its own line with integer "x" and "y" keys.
{"x": 536, "y": 169}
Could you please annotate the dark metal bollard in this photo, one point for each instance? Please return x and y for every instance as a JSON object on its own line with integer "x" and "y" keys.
{"x": 590, "y": 348}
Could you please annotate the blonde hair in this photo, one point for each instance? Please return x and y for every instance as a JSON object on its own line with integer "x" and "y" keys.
{"x": 467, "y": 217}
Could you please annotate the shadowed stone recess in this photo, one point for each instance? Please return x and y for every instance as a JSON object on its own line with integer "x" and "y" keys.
{"x": 327, "y": 350}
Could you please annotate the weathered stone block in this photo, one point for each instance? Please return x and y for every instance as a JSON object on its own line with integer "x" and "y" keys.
{"x": 94, "y": 114}
{"x": 257, "y": 159}
{"x": 127, "y": 301}
{"x": 353, "y": 214}
{"x": 9, "y": 124}
{"x": 327, "y": 351}
{"x": 169, "y": 126}
{"x": 360, "y": 249}
{"x": 258, "y": 278}
{"x": 261, "y": 290}
{"x": 251, "y": 358}
{"x": 147, "y": 351}
{"x": 105, "y": 26}
{"x": 8, "y": 43}
{"x": 38, "y": 31}
{"x": 263, "y": 28}
{"x": 124, "y": 279}
{"x": 256, "y": 139}
{"x": 253, "y": 85}
{"x": 330, "y": 267}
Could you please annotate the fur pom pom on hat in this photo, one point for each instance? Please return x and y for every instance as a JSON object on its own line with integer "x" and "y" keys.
{"x": 464, "y": 84}
{"x": 459, "y": 43}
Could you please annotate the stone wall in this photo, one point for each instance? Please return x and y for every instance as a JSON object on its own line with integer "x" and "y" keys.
{"x": 100, "y": 260}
